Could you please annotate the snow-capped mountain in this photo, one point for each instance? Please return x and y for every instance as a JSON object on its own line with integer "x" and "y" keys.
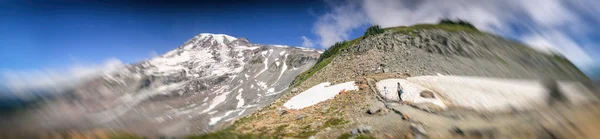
{"x": 209, "y": 80}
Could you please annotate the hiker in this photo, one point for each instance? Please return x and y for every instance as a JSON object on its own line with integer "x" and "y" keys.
{"x": 400, "y": 91}
{"x": 384, "y": 92}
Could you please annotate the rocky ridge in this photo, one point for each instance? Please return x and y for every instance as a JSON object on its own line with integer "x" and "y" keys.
{"x": 398, "y": 53}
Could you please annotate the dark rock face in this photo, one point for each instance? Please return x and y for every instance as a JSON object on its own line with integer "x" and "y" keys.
{"x": 206, "y": 83}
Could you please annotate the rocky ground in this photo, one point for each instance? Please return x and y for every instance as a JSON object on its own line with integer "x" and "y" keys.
{"x": 413, "y": 51}
{"x": 364, "y": 113}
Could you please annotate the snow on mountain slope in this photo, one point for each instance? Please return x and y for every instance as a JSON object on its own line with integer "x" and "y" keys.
{"x": 205, "y": 83}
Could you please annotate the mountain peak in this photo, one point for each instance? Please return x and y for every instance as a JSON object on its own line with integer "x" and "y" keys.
{"x": 218, "y": 37}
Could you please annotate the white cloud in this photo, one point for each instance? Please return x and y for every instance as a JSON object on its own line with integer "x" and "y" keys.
{"x": 336, "y": 25}
{"x": 306, "y": 42}
{"x": 547, "y": 41}
{"x": 547, "y": 25}
{"x": 22, "y": 83}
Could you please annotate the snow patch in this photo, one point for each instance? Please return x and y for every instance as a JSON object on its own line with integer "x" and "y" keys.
{"x": 262, "y": 85}
{"x": 283, "y": 69}
{"x": 214, "y": 120}
{"x": 318, "y": 93}
{"x": 411, "y": 91}
{"x": 487, "y": 94}
{"x": 240, "y": 99}
{"x": 281, "y": 46}
{"x": 266, "y": 61}
{"x": 217, "y": 100}
{"x": 271, "y": 90}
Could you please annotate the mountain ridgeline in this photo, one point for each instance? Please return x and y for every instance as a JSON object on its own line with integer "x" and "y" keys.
{"x": 448, "y": 48}
{"x": 445, "y": 48}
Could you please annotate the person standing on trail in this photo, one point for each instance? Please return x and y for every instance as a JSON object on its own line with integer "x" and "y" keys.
{"x": 400, "y": 91}
{"x": 385, "y": 92}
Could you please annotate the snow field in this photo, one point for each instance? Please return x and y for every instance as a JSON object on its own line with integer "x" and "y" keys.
{"x": 318, "y": 93}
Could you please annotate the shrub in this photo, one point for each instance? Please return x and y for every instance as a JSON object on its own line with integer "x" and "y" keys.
{"x": 332, "y": 50}
{"x": 373, "y": 30}
{"x": 456, "y": 22}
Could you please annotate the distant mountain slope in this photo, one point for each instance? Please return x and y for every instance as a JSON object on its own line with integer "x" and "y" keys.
{"x": 203, "y": 84}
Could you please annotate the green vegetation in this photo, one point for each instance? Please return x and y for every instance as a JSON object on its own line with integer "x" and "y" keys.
{"x": 334, "y": 49}
{"x": 123, "y": 135}
{"x": 444, "y": 24}
{"x": 225, "y": 134}
{"x": 361, "y": 136}
{"x": 334, "y": 122}
{"x": 459, "y": 22}
{"x": 325, "y": 59}
{"x": 306, "y": 132}
{"x": 345, "y": 136}
{"x": 412, "y": 30}
{"x": 279, "y": 132}
{"x": 373, "y": 30}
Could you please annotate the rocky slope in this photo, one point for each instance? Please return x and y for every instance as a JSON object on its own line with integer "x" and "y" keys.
{"x": 399, "y": 53}
{"x": 429, "y": 50}
{"x": 205, "y": 83}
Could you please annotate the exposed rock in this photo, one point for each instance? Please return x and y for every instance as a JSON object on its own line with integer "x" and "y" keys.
{"x": 365, "y": 129}
{"x": 354, "y": 131}
{"x": 475, "y": 133}
{"x": 418, "y": 130}
{"x": 427, "y": 94}
{"x": 300, "y": 117}
{"x": 428, "y": 107}
{"x": 282, "y": 112}
{"x": 295, "y": 90}
{"x": 325, "y": 110}
{"x": 374, "y": 110}
{"x": 376, "y": 107}
{"x": 361, "y": 130}
{"x": 434, "y": 51}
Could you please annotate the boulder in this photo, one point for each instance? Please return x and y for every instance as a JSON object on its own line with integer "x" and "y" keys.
{"x": 428, "y": 107}
{"x": 300, "y": 116}
{"x": 427, "y": 94}
{"x": 418, "y": 131}
{"x": 325, "y": 110}
{"x": 361, "y": 130}
{"x": 365, "y": 129}
{"x": 375, "y": 108}
{"x": 295, "y": 90}
{"x": 282, "y": 112}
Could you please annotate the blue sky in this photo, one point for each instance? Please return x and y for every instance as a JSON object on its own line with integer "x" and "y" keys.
{"x": 36, "y": 36}
{"x": 58, "y": 34}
